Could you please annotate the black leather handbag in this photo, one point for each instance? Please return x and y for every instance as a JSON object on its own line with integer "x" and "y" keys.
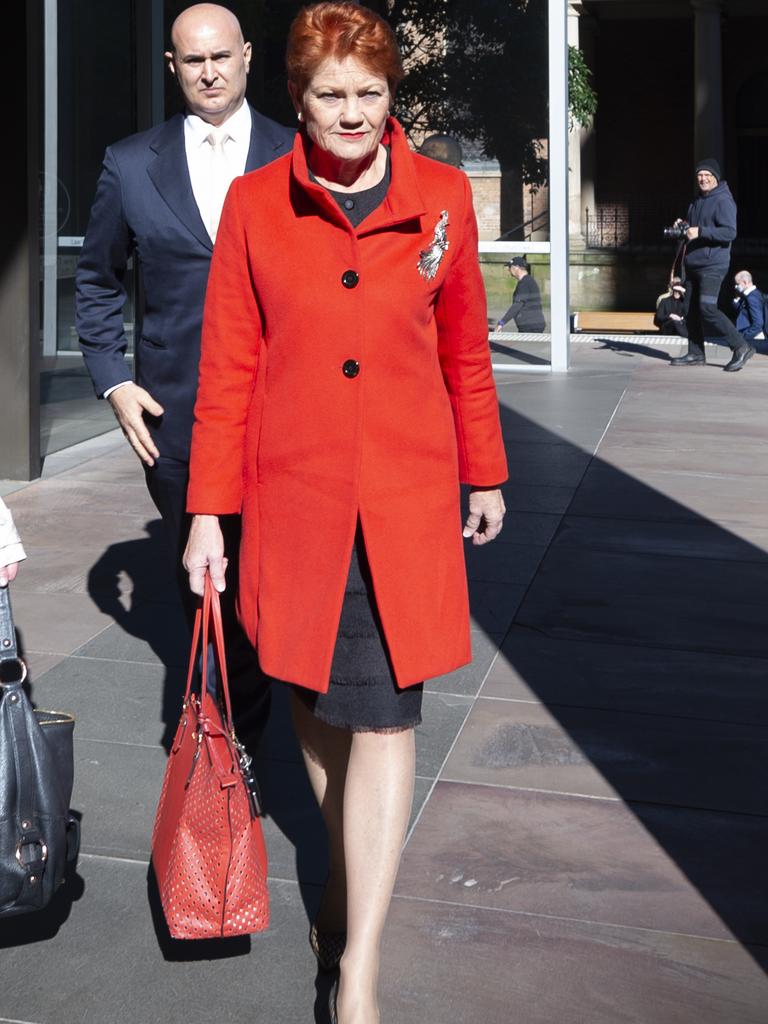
{"x": 39, "y": 837}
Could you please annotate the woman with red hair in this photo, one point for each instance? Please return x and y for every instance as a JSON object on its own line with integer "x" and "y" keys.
{"x": 345, "y": 391}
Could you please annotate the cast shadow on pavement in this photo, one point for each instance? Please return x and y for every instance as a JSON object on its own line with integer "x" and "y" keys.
{"x": 643, "y": 635}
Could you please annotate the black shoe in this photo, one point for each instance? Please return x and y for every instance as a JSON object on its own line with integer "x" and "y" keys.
{"x": 687, "y": 360}
{"x": 739, "y": 358}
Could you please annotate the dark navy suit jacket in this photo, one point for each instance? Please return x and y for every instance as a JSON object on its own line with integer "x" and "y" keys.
{"x": 145, "y": 207}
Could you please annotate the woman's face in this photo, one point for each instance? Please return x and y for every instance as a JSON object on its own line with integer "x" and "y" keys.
{"x": 345, "y": 108}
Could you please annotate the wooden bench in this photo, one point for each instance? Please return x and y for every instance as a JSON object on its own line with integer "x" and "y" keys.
{"x": 591, "y": 321}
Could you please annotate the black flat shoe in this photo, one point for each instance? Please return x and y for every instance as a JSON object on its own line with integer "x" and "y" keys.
{"x": 739, "y": 358}
{"x": 687, "y": 360}
{"x": 328, "y": 947}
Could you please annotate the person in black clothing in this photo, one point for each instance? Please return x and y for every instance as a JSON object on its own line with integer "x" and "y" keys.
{"x": 712, "y": 220}
{"x": 672, "y": 309}
{"x": 526, "y": 308}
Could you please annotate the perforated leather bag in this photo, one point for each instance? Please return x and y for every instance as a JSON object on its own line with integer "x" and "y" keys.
{"x": 208, "y": 850}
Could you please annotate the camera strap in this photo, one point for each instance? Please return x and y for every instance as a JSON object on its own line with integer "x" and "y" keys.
{"x": 679, "y": 258}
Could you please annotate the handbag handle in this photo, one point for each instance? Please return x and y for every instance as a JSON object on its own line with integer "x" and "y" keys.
{"x": 209, "y": 613}
{"x": 8, "y": 650}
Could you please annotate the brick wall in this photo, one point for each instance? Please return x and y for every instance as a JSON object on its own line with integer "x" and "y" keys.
{"x": 485, "y": 196}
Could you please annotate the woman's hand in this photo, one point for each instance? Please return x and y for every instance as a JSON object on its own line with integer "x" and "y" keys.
{"x": 205, "y": 553}
{"x": 8, "y": 573}
{"x": 486, "y": 515}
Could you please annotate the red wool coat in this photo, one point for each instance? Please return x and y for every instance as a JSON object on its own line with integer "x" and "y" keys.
{"x": 336, "y": 381}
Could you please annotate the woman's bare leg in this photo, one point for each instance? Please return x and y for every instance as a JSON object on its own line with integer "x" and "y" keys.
{"x": 326, "y": 754}
{"x": 377, "y": 804}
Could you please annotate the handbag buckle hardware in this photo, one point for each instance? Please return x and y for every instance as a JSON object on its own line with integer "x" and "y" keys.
{"x": 19, "y": 679}
{"x": 31, "y": 842}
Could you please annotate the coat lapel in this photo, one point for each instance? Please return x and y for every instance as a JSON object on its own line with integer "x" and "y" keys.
{"x": 170, "y": 176}
{"x": 268, "y": 140}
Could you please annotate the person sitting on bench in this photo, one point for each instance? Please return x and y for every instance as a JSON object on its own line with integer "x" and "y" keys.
{"x": 672, "y": 309}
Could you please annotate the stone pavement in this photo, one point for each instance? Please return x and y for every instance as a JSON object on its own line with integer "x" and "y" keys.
{"x": 589, "y": 833}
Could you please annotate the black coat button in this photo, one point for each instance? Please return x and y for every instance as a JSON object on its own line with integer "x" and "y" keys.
{"x": 351, "y": 368}
{"x": 349, "y": 278}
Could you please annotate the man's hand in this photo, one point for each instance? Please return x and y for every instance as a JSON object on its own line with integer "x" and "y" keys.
{"x": 674, "y": 316}
{"x": 129, "y": 403}
{"x": 205, "y": 553}
{"x": 499, "y": 327}
{"x": 8, "y": 573}
{"x": 692, "y": 233}
{"x": 486, "y": 515}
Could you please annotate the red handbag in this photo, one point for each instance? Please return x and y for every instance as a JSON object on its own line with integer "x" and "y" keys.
{"x": 208, "y": 850}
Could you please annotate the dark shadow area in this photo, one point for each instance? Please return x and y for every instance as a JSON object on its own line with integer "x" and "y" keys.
{"x": 154, "y": 613}
{"x": 633, "y": 348}
{"x": 643, "y": 634}
{"x": 523, "y": 357}
{"x": 155, "y": 616}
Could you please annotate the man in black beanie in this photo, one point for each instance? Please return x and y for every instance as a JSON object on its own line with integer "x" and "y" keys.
{"x": 712, "y": 220}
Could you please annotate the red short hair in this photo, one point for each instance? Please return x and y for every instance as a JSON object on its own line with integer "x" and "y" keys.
{"x": 338, "y": 30}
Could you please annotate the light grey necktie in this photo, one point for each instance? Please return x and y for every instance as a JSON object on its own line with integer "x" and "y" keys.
{"x": 220, "y": 177}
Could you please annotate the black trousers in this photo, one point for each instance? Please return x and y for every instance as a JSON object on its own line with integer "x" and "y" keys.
{"x": 249, "y": 687}
{"x": 673, "y": 327}
{"x": 705, "y": 320}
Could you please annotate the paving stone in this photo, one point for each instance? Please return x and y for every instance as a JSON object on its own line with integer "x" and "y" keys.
{"x": 150, "y": 633}
{"x": 669, "y": 496}
{"x": 465, "y": 964}
{"x": 56, "y": 623}
{"x": 504, "y": 563}
{"x": 494, "y": 605}
{"x": 110, "y": 962}
{"x": 699, "y": 539}
{"x": 115, "y": 701}
{"x": 701, "y": 604}
{"x": 639, "y": 865}
{"x": 666, "y": 760}
{"x": 469, "y": 679}
{"x": 649, "y": 680}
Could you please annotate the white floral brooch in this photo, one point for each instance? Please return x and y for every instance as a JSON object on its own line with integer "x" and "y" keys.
{"x": 431, "y": 258}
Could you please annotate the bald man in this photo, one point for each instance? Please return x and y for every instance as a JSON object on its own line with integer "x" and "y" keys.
{"x": 158, "y": 200}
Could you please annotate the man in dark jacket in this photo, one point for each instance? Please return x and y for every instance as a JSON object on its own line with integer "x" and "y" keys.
{"x": 748, "y": 303}
{"x": 712, "y": 220}
{"x": 526, "y": 308}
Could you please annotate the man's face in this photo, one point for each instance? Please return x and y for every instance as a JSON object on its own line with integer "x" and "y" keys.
{"x": 707, "y": 181}
{"x": 211, "y": 62}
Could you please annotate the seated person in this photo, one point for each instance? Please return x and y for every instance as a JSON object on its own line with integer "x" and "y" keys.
{"x": 526, "y": 308}
{"x": 672, "y": 309}
{"x": 749, "y": 308}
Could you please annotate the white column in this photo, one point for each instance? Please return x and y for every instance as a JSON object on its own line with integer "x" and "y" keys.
{"x": 558, "y": 184}
{"x": 574, "y": 147}
{"x": 708, "y": 80}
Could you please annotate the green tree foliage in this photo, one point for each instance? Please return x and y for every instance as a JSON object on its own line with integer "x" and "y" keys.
{"x": 582, "y": 99}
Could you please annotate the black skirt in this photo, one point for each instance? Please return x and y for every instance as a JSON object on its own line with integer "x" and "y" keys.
{"x": 363, "y": 695}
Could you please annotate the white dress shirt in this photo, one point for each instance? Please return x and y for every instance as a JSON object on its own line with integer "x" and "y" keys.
{"x": 196, "y": 132}
{"x": 198, "y": 150}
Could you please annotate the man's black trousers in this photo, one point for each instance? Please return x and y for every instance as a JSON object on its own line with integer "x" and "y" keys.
{"x": 249, "y": 688}
{"x": 705, "y": 320}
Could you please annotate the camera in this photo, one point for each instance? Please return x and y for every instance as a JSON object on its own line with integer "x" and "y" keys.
{"x": 677, "y": 231}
